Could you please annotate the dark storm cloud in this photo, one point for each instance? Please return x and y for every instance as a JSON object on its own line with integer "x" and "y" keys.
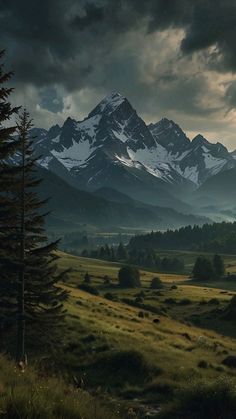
{"x": 79, "y": 44}
{"x": 59, "y": 41}
{"x": 213, "y": 23}
{"x": 93, "y": 14}
{"x": 41, "y": 44}
{"x": 205, "y": 22}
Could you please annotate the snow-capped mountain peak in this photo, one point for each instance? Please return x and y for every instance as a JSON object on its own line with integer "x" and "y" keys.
{"x": 170, "y": 135}
{"x": 109, "y": 104}
{"x": 114, "y": 147}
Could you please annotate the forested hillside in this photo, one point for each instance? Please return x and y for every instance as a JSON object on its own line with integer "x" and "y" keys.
{"x": 217, "y": 237}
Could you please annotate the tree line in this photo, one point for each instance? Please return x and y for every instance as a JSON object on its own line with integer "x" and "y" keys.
{"x": 146, "y": 258}
{"x": 216, "y": 237}
{"x": 31, "y": 302}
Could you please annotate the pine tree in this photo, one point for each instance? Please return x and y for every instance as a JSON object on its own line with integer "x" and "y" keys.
{"x": 40, "y": 299}
{"x": 8, "y": 206}
{"x": 37, "y": 300}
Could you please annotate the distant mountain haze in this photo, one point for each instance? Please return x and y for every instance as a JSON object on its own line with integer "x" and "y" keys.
{"x": 72, "y": 208}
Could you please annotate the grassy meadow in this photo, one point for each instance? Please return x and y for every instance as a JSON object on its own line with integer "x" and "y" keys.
{"x": 140, "y": 346}
{"x": 131, "y": 353}
{"x": 37, "y": 395}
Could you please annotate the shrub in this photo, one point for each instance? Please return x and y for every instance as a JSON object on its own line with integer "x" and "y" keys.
{"x": 119, "y": 367}
{"x": 129, "y": 277}
{"x": 130, "y": 363}
{"x": 156, "y": 283}
{"x": 88, "y": 288}
{"x": 203, "y": 364}
{"x": 111, "y": 297}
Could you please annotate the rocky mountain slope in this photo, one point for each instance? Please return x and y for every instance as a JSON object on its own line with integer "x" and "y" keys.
{"x": 196, "y": 160}
{"x": 218, "y": 191}
{"x": 114, "y": 148}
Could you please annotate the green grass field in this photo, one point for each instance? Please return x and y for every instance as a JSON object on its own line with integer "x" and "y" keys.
{"x": 174, "y": 330}
{"x": 33, "y": 394}
{"x": 130, "y": 351}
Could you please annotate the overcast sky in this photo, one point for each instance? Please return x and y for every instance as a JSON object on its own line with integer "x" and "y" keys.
{"x": 172, "y": 58}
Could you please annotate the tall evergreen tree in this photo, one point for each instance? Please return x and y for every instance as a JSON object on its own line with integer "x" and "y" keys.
{"x": 40, "y": 299}
{"x": 30, "y": 295}
{"x": 8, "y": 206}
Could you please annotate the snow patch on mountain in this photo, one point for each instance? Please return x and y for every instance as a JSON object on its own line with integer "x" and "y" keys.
{"x": 56, "y": 139}
{"x": 213, "y": 163}
{"x": 89, "y": 126}
{"x": 191, "y": 173}
{"x": 111, "y": 102}
{"x": 76, "y": 155}
{"x": 154, "y": 159}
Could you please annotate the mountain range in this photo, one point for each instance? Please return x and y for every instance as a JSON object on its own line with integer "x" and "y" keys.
{"x": 114, "y": 149}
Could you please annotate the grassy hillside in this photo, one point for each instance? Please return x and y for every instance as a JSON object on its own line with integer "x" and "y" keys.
{"x": 131, "y": 351}
{"x": 34, "y": 395}
{"x": 142, "y": 345}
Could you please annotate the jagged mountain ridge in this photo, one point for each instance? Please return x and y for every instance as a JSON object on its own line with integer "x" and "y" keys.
{"x": 113, "y": 147}
{"x": 196, "y": 160}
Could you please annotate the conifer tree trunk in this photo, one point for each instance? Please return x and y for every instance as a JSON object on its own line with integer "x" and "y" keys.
{"x": 21, "y": 356}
